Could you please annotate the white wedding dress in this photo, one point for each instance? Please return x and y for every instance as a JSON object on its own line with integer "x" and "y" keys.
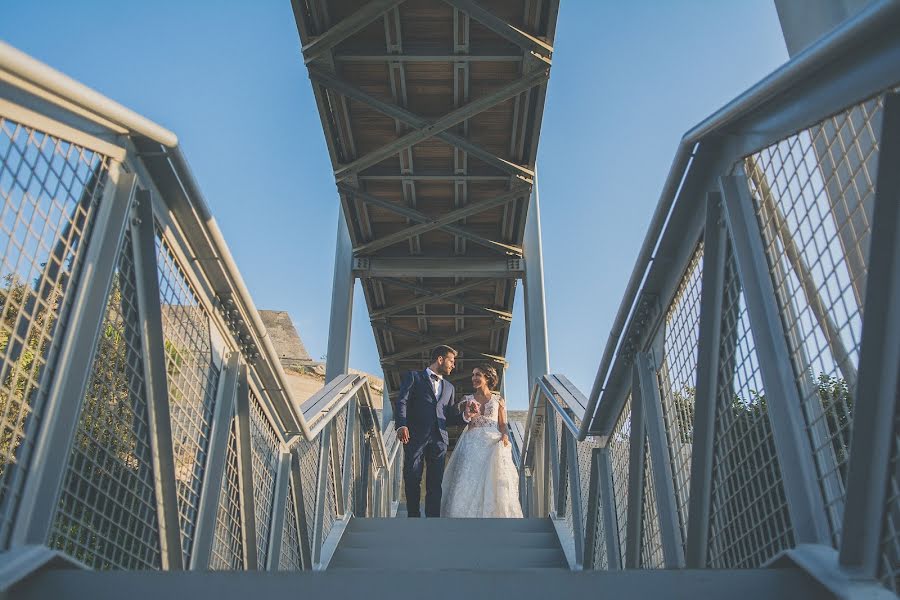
{"x": 481, "y": 479}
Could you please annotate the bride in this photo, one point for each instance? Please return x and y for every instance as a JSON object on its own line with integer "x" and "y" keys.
{"x": 481, "y": 479}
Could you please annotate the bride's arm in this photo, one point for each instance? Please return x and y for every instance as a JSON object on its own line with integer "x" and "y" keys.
{"x": 501, "y": 422}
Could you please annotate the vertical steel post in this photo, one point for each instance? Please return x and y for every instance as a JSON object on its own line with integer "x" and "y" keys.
{"x": 875, "y": 409}
{"x": 575, "y": 496}
{"x": 245, "y": 471}
{"x": 214, "y": 473}
{"x": 663, "y": 482}
{"x": 156, "y": 380}
{"x": 535, "y": 305}
{"x": 607, "y": 501}
{"x": 338, "y": 357}
{"x": 47, "y": 469}
{"x": 300, "y": 506}
{"x": 636, "y": 476}
{"x": 709, "y": 342}
{"x": 805, "y": 503}
{"x": 322, "y": 484}
{"x": 276, "y": 532}
{"x": 592, "y": 512}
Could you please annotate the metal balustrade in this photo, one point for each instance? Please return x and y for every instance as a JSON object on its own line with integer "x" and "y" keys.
{"x": 145, "y": 419}
{"x": 733, "y": 409}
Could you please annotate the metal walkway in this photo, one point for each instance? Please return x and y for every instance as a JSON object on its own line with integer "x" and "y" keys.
{"x": 741, "y": 437}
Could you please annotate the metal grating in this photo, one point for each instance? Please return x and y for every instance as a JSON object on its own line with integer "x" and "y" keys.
{"x": 814, "y": 195}
{"x": 50, "y": 190}
{"x": 749, "y": 515}
{"x": 308, "y": 457}
{"x": 265, "y": 450}
{"x": 228, "y": 545}
{"x": 106, "y": 516}
{"x": 651, "y": 540}
{"x": 677, "y": 380}
{"x": 889, "y": 568}
{"x": 291, "y": 557}
{"x": 619, "y": 449}
{"x": 192, "y": 379}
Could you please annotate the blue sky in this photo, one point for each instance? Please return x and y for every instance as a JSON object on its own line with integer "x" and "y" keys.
{"x": 628, "y": 79}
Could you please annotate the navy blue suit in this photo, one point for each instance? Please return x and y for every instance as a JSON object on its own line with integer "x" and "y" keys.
{"x": 426, "y": 417}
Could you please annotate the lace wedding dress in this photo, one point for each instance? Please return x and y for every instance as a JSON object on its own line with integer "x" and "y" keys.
{"x": 481, "y": 479}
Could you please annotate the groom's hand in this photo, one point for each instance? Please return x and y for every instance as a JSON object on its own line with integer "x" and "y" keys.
{"x": 403, "y": 435}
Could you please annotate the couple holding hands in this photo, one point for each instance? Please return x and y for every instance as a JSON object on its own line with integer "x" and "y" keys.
{"x": 480, "y": 479}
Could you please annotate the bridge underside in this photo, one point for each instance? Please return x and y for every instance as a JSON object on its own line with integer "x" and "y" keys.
{"x": 432, "y": 112}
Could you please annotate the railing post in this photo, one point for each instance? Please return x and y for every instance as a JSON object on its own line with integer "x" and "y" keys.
{"x": 245, "y": 471}
{"x": 804, "y": 500}
{"x": 552, "y": 461}
{"x": 875, "y": 407}
{"x": 635, "y": 477}
{"x": 709, "y": 341}
{"x": 300, "y": 506}
{"x": 214, "y": 472}
{"x": 156, "y": 380}
{"x": 322, "y": 484}
{"x": 47, "y": 469}
{"x": 607, "y": 498}
{"x": 670, "y": 527}
{"x": 276, "y": 534}
{"x": 575, "y": 497}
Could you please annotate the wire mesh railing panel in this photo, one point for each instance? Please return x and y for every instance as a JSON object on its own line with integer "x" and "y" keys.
{"x": 106, "y": 517}
{"x": 814, "y": 195}
{"x": 619, "y": 450}
{"x": 749, "y": 521}
{"x": 651, "y": 539}
{"x": 50, "y": 191}
{"x": 889, "y": 568}
{"x": 291, "y": 557}
{"x": 228, "y": 545}
{"x": 308, "y": 457}
{"x": 340, "y": 432}
{"x": 192, "y": 379}
{"x": 677, "y": 380}
{"x": 265, "y": 451}
{"x": 585, "y": 455}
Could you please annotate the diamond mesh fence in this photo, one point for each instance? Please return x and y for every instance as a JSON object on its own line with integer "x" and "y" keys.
{"x": 677, "y": 380}
{"x": 814, "y": 195}
{"x": 265, "y": 450}
{"x": 50, "y": 190}
{"x": 107, "y": 516}
{"x": 228, "y": 545}
{"x": 619, "y": 449}
{"x": 192, "y": 379}
{"x": 291, "y": 557}
{"x": 749, "y": 521}
{"x": 308, "y": 457}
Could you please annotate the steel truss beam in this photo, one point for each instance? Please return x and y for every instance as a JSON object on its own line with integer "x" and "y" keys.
{"x": 427, "y": 223}
{"x": 451, "y": 296}
{"x": 539, "y": 48}
{"x": 433, "y": 128}
{"x": 419, "y": 123}
{"x": 448, "y": 340}
{"x": 343, "y": 30}
{"x": 485, "y": 268}
{"x": 427, "y": 55}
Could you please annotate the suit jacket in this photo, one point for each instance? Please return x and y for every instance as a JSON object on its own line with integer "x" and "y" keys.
{"x": 418, "y": 409}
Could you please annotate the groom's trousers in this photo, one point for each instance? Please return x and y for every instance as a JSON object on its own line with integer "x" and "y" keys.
{"x": 427, "y": 454}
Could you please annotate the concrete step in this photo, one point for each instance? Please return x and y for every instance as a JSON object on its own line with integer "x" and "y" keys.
{"x": 522, "y": 584}
{"x": 415, "y": 557}
{"x": 477, "y": 544}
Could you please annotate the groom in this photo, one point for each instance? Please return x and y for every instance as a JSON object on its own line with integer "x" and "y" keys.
{"x": 423, "y": 409}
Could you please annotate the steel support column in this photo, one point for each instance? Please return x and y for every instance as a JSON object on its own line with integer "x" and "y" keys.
{"x": 535, "y": 304}
{"x": 338, "y": 357}
{"x": 807, "y": 509}
{"x": 276, "y": 533}
{"x": 875, "y": 412}
{"x": 709, "y": 341}
{"x": 607, "y": 499}
{"x": 636, "y": 474}
{"x": 245, "y": 471}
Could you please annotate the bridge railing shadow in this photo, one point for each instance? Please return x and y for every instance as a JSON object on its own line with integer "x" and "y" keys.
{"x": 745, "y": 410}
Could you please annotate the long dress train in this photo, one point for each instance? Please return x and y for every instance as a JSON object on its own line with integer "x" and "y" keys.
{"x": 481, "y": 479}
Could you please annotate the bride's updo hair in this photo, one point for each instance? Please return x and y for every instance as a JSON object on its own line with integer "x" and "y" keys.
{"x": 490, "y": 373}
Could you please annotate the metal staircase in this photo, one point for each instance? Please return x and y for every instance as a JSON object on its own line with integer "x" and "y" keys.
{"x": 740, "y": 440}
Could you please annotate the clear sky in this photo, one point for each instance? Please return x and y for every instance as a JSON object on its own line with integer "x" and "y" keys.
{"x": 629, "y": 78}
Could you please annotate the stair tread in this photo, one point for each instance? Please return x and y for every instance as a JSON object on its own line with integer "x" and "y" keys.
{"x": 404, "y": 558}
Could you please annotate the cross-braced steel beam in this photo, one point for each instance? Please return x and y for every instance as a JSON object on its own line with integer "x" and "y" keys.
{"x": 347, "y": 27}
{"x": 451, "y": 296}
